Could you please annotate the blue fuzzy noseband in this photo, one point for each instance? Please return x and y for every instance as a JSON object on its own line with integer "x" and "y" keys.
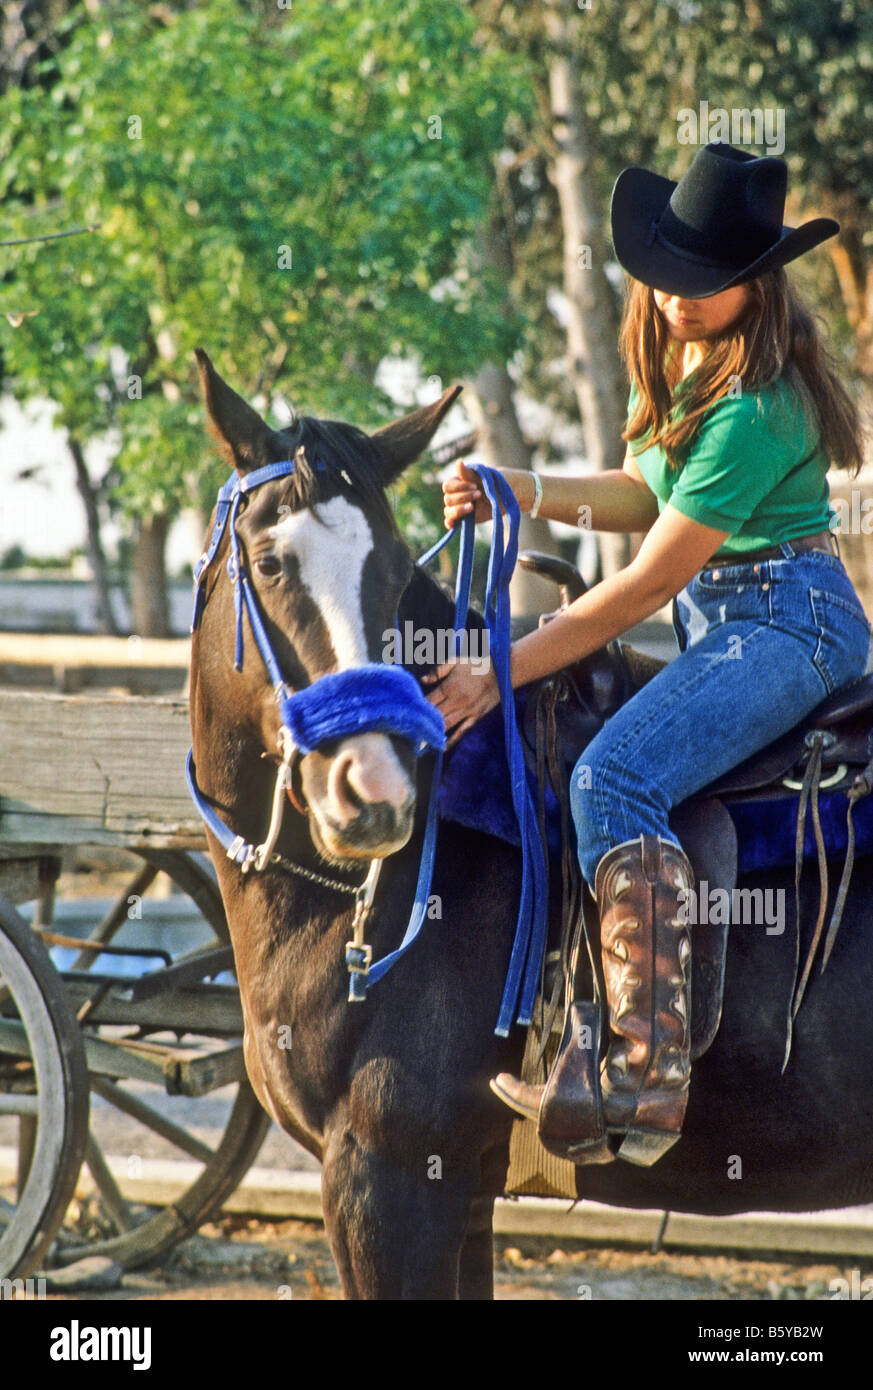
{"x": 373, "y": 698}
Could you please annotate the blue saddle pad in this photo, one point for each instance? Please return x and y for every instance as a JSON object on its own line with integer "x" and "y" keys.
{"x": 475, "y": 789}
{"x": 475, "y": 793}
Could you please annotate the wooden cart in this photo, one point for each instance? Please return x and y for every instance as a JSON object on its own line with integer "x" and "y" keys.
{"x": 107, "y": 1014}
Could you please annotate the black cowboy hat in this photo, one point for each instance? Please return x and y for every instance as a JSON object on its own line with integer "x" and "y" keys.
{"x": 719, "y": 226}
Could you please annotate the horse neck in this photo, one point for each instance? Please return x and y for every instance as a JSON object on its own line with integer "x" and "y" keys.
{"x": 427, "y": 605}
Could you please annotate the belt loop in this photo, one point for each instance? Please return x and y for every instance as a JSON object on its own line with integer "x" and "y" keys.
{"x": 788, "y": 550}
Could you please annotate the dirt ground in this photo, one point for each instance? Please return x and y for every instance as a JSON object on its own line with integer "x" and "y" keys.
{"x": 239, "y": 1258}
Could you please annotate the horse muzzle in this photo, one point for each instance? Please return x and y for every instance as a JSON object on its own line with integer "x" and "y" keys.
{"x": 362, "y": 797}
{"x": 346, "y": 728}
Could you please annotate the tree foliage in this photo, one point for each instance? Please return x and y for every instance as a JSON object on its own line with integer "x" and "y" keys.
{"x": 298, "y": 197}
{"x": 300, "y": 190}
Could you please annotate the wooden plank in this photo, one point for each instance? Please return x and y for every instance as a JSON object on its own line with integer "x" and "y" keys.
{"x": 86, "y": 649}
{"x": 19, "y": 879}
{"x": 190, "y": 970}
{"x": 19, "y": 825}
{"x": 182, "y": 1071}
{"x": 115, "y": 765}
{"x": 72, "y": 680}
{"x": 106, "y": 1058}
{"x": 208, "y": 1009}
{"x": 196, "y": 1075}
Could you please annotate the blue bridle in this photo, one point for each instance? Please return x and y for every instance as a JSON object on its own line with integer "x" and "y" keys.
{"x": 388, "y": 699}
{"x": 331, "y": 707}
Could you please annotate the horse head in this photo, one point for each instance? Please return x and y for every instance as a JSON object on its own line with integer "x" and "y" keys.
{"x": 327, "y": 567}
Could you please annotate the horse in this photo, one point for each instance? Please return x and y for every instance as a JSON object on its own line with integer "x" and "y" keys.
{"x": 392, "y": 1094}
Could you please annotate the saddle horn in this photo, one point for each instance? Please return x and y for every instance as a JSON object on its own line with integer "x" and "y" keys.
{"x": 561, "y": 572}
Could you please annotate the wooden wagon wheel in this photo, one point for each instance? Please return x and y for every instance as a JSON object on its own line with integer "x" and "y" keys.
{"x": 44, "y": 1084}
{"x": 133, "y": 1067}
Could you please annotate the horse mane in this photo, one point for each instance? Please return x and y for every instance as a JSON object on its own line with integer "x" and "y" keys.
{"x": 332, "y": 457}
{"x": 338, "y": 457}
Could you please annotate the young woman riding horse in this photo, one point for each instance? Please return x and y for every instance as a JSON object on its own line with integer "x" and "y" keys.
{"x": 735, "y": 415}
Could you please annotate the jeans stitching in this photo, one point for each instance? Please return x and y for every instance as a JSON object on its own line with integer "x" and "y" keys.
{"x": 853, "y": 610}
{"x": 702, "y": 675}
{"x": 819, "y": 661}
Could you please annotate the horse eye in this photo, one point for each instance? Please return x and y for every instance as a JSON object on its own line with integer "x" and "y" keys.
{"x": 269, "y": 566}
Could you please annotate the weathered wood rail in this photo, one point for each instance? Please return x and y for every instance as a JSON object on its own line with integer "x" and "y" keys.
{"x": 94, "y": 770}
{"x": 70, "y": 662}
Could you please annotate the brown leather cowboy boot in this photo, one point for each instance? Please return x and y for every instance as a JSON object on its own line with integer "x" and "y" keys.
{"x": 646, "y": 960}
{"x": 641, "y": 888}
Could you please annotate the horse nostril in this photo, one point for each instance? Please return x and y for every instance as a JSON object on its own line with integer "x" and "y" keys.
{"x": 349, "y": 792}
{"x": 340, "y": 785}
{"x": 367, "y": 786}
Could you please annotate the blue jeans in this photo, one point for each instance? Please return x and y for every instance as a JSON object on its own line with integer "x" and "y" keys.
{"x": 761, "y": 644}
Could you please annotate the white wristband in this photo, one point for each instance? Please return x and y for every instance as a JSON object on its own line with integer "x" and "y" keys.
{"x": 538, "y": 496}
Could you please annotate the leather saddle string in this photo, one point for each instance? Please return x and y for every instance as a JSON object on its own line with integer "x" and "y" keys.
{"x": 570, "y": 876}
{"x": 546, "y": 736}
{"x": 572, "y": 918}
{"x": 861, "y": 786}
{"x": 822, "y": 871}
{"x": 573, "y": 921}
{"x": 576, "y": 922}
{"x": 843, "y": 890}
{"x": 811, "y": 778}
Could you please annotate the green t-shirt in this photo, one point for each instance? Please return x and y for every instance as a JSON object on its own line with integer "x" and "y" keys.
{"x": 755, "y": 470}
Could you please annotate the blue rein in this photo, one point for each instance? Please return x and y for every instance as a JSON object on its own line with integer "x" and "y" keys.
{"x": 525, "y": 962}
{"x": 388, "y": 699}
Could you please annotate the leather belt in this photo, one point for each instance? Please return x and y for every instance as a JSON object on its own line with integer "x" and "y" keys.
{"x": 822, "y": 540}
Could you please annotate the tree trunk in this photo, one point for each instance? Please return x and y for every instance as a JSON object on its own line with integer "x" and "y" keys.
{"x": 26, "y": 25}
{"x": 150, "y": 607}
{"x": 593, "y": 321}
{"x": 854, "y": 271}
{"x": 88, "y": 493}
{"x": 853, "y": 267}
{"x": 492, "y": 408}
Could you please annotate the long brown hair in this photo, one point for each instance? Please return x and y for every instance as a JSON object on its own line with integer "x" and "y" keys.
{"x": 776, "y": 335}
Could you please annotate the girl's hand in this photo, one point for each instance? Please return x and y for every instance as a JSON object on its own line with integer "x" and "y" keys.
{"x": 462, "y": 696}
{"x": 462, "y": 495}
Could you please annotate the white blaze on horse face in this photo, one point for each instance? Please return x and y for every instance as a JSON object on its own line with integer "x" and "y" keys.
{"x": 330, "y": 550}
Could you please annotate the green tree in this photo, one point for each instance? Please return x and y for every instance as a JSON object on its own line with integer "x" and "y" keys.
{"x": 299, "y": 198}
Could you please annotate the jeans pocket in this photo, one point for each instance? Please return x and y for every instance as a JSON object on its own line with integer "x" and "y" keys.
{"x": 843, "y": 647}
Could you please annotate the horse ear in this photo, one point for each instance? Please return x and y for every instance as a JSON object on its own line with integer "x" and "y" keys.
{"x": 403, "y": 440}
{"x": 245, "y": 440}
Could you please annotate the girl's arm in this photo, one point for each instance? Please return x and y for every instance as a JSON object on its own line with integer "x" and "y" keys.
{"x": 671, "y": 554}
{"x": 616, "y": 500}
